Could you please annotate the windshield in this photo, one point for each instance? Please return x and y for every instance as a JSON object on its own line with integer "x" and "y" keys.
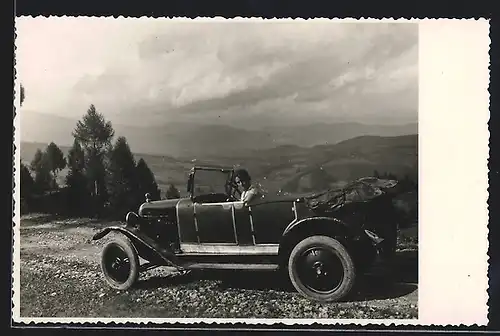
{"x": 210, "y": 182}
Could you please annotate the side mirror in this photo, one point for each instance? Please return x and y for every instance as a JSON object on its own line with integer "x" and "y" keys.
{"x": 148, "y": 197}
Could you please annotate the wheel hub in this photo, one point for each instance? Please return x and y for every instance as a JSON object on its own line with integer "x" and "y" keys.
{"x": 318, "y": 267}
{"x": 118, "y": 263}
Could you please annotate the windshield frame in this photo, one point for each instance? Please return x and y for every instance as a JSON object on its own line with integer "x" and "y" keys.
{"x": 221, "y": 170}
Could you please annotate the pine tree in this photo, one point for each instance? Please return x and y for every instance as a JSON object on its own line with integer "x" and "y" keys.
{"x": 43, "y": 179}
{"x": 37, "y": 161}
{"x": 146, "y": 181}
{"x": 172, "y": 192}
{"x": 55, "y": 159}
{"x": 26, "y": 181}
{"x": 122, "y": 183}
{"x": 26, "y": 188}
{"x": 95, "y": 134}
{"x": 76, "y": 157}
{"x": 76, "y": 182}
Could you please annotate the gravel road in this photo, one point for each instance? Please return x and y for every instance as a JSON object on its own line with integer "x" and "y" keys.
{"x": 60, "y": 277}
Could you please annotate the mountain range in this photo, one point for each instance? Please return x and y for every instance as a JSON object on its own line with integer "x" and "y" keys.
{"x": 189, "y": 140}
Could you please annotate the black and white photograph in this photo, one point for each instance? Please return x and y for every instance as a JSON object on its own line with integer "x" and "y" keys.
{"x": 218, "y": 169}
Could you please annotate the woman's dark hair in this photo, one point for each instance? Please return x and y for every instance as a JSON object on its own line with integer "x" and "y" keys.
{"x": 242, "y": 174}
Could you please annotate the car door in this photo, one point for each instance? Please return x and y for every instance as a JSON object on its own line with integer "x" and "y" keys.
{"x": 243, "y": 224}
{"x": 215, "y": 224}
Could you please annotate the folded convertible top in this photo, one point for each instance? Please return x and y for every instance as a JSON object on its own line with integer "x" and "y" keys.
{"x": 361, "y": 190}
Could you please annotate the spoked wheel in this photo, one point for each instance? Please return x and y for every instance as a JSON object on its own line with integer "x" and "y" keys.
{"x": 120, "y": 263}
{"x": 321, "y": 268}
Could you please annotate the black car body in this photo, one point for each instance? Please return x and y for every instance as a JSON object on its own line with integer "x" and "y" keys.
{"x": 322, "y": 252}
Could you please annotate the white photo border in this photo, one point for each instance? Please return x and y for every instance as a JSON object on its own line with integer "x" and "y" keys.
{"x": 453, "y": 182}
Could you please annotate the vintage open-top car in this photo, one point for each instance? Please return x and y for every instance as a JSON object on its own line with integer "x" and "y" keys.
{"x": 321, "y": 248}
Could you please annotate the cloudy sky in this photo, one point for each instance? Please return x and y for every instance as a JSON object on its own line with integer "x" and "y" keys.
{"x": 145, "y": 71}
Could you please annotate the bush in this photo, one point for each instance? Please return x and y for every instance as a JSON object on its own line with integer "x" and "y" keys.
{"x": 50, "y": 202}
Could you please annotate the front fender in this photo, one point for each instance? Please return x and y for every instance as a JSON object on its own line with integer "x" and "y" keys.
{"x": 142, "y": 243}
{"x": 103, "y": 233}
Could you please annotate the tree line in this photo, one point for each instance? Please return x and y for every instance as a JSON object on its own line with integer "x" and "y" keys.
{"x": 103, "y": 177}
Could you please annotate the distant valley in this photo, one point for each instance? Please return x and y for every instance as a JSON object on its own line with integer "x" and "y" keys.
{"x": 188, "y": 140}
{"x": 291, "y": 168}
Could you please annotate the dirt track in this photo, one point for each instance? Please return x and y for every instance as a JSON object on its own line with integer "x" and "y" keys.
{"x": 60, "y": 277}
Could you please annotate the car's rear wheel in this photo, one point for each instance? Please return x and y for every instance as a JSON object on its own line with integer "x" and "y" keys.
{"x": 321, "y": 268}
{"x": 120, "y": 263}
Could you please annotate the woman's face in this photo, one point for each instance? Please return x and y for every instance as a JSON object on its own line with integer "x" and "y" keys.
{"x": 242, "y": 183}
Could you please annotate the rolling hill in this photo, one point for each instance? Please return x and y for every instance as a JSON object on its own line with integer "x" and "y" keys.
{"x": 294, "y": 169}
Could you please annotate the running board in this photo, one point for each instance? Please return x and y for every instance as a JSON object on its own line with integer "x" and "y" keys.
{"x": 229, "y": 266}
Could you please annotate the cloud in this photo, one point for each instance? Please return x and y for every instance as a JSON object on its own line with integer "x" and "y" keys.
{"x": 150, "y": 71}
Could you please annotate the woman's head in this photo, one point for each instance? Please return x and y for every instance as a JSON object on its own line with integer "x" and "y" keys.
{"x": 242, "y": 178}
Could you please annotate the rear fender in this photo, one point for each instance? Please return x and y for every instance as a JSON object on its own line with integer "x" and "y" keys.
{"x": 145, "y": 246}
{"x": 330, "y": 223}
{"x": 351, "y": 236}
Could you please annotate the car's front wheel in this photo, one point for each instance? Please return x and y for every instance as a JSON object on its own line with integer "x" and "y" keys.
{"x": 120, "y": 263}
{"x": 321, "y": 268}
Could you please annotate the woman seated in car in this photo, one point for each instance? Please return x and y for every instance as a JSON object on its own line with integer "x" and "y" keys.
{"x": 243, "y": 180}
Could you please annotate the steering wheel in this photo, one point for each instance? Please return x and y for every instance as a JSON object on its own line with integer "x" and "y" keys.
{"x": 232, "y": 190}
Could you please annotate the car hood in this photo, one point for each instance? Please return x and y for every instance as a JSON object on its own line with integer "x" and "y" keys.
{"x": 157, "y": 208}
